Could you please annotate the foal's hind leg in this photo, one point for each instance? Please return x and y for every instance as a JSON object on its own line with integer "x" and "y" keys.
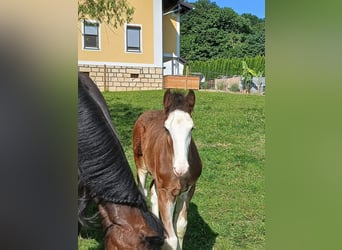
{"x": 142, "y": 171}
{"x": 142, "y": 176}
{"x": 154, "y": 199}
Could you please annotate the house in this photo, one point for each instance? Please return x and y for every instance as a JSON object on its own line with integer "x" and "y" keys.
{"x": 172, "y": 62}
{"x": 134, "y": 56}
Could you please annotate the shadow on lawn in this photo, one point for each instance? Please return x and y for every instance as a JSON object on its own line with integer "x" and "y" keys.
{"x": 198, "y": 236}
{"x": 94, "y": 234}
{"x": 124, "y": 117}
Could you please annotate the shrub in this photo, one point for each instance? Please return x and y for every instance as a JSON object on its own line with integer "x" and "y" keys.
{"x": 204, "y": 85}
{"x": 226, "y": 66}
{"x": 221, "y": 86}
{"x": 235, "y": 88}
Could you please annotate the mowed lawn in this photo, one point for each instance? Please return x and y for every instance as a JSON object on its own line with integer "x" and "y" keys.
{"x": 228, "y": 208}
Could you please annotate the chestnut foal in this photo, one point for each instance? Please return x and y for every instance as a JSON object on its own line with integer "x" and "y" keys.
{"x": 163, "y": 147}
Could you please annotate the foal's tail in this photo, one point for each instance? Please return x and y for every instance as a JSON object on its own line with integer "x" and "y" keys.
{"x": 138, "y": 131}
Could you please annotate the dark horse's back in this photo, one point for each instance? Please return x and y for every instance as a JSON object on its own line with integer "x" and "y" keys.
{"x": 104, "y": 174}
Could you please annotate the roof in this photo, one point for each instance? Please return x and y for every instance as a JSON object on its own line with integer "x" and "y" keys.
{"x": 169, "y": 5}
{"x": 186, "y": 7}
{"x": 180, "y": 59}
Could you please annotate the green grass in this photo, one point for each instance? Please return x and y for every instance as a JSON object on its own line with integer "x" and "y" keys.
{"x": 228, "y": 208}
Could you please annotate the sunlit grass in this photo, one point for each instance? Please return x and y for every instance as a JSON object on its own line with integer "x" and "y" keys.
{"x": 228, "y": 208}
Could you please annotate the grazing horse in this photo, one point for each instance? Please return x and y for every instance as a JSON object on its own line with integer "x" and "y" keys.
{"x": 163, "y": 147}
{"x": 104, "y": 176}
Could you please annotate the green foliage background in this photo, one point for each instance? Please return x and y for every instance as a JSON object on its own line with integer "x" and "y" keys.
{"x": 214, "y": 68}
{"x": 114, "y": 13}
{"x": 211, "y": 32}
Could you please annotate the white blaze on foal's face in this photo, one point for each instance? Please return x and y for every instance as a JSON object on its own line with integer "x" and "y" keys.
{"x": 180, "y": 124}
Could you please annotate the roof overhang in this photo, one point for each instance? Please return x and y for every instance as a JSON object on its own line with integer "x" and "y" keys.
{"x": 175, "y": 58}
{"x": 169, "y": 4}
{"x": 186, "y": 7}
{"x": 175, "y": 6}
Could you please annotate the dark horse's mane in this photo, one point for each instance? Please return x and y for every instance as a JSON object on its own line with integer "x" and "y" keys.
{"x": 103, "y": 167}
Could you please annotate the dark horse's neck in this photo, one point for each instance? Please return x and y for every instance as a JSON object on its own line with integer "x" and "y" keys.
{"x": 103, "y": 166}
{"x": 104, "y": 173}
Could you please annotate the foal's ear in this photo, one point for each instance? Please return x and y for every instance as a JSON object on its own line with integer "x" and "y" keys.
{"x": 190, "y": 99}
{"x": 167, "y": 100}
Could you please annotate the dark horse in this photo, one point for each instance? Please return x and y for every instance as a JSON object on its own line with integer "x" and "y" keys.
{"x": 106, "y": 178}
{"x": 163, "y": 147}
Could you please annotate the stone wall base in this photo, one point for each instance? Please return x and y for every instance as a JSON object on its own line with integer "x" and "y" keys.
{"x": 123, "y": 78}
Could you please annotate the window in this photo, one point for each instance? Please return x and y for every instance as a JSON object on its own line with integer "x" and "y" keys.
{"x": 133, "y": 38}
{"x": 91, "y": 35}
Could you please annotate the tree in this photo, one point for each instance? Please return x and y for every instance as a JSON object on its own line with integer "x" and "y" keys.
{"x": 247, "y": 76}
{"x": 211, "y": 32}
{"x": 112, "y": 12}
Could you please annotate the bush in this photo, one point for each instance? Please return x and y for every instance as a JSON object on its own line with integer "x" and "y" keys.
{"x": 204, "y": 85}
{"x": 234, "y": 88}
{"x": 221, "y": 86}
{"x": 226, "y": 66}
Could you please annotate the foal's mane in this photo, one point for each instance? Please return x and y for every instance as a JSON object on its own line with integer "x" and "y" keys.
{"x": 103, "y": 167}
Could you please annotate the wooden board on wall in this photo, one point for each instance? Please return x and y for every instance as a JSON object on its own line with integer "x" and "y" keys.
{"x": 181, "y": 82}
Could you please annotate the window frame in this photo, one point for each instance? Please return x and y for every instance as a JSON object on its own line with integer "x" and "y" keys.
{"x": 98, "y": 36}
{"x": 127, "y": 48}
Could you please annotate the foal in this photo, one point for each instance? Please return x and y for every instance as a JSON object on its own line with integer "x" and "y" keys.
{"x": 106, "y": 178}
{"x": 163, "y": 147}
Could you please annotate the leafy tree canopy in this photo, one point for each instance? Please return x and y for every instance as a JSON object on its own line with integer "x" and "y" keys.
{"x": 112, "y": 12}
{"x": 210, "y": 32}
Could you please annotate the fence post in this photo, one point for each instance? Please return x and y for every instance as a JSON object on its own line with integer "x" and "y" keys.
{"x": 186, "y": 76}
{"x": 105, "y": 78}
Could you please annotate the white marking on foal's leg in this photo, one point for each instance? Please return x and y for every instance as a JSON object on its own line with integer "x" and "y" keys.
{"x": 181, "y": 212}
{"x": 181, "y": 225}
{"x": 154, "y": 201}
{"x": 166, "y": 202}
{"x": 171, "y": 242}
{"x": 142, "y": 176}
